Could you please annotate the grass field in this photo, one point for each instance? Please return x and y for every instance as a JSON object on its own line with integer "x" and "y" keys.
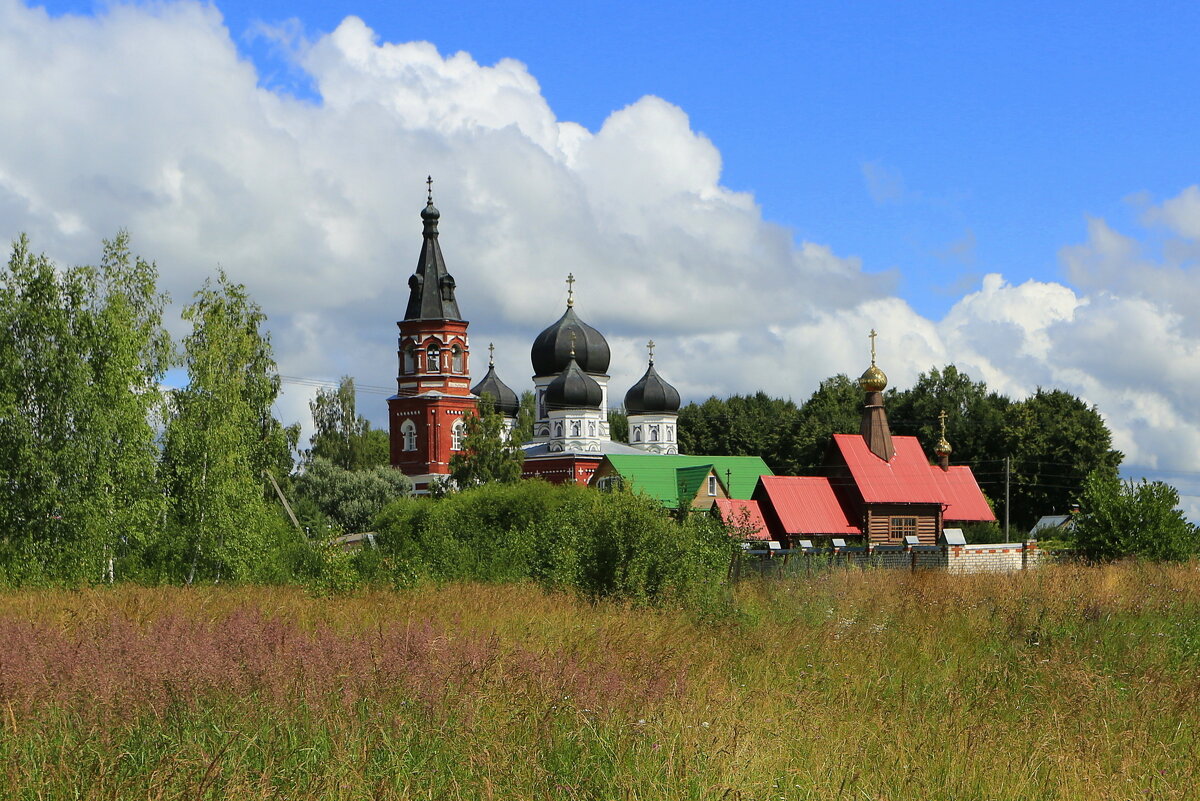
{"x": 1064, "y": 683}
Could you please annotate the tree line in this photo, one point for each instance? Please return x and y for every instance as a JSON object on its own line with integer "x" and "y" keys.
{"x": 1051, "y": 440}
{"x": 106, "y": 475}
{"x": 103, "y": 472}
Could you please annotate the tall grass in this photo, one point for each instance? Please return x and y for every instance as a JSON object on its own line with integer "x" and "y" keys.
{"x": 1062, "y": 683}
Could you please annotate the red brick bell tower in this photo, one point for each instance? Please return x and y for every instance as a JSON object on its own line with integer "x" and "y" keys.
{"x": 433, "y": 388}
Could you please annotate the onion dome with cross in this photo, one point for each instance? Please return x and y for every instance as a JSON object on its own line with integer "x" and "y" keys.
{"x": 505, "y": 400}
{"x": 552, "y": 348}
{"x": 651, "y": 395}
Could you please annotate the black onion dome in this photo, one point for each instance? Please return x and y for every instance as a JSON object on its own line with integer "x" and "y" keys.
{"x": 552, "y": 349}
{"x": 574, "y": 389}
{"x": 651, "y": 395}
{"x": 506, "y": 401}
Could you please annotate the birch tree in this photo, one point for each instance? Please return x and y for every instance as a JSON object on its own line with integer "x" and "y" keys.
{"x": 222, "y": 435}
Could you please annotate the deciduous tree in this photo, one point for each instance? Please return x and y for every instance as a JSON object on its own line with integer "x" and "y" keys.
{"x": 1127, "y": 518}
{"x": 487, "y": 454}
{"x": 341, "y": 435}
{"x": 222, "y": 434}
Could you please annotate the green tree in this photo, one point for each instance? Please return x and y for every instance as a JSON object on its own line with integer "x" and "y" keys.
{"x": 618, "y": 425}
{"x": 975, "y": 417}
{"x": 222, "y": 435}
{"x": 44, "y": 413}
{"x": 835, "y": 407}
{"x": 741, "y": 425}
{"x": 488, "y": 454}
{"x": 341, "y": 435}
{"x": 130, "y": 353}
{"x": 350, "y": 498}
{"x": 82, "y": 351}
{"x": 526, "y": 415}
{"x": 1127, "y": 518}
{"x": 1055, "y": 440}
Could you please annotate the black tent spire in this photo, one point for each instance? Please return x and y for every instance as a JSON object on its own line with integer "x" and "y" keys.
{"x": 431, "y": 287}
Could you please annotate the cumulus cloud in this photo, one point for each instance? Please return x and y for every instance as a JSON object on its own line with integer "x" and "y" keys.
{"x": 147, "y": 118}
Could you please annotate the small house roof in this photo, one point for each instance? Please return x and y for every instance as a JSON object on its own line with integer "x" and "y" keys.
{"x": 807, "y": 505}
{"x": 652, "y": 472}
{"x": 744, "y": 515}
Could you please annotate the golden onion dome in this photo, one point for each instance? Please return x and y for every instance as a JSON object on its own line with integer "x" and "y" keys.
{"x": 873, "y": 380}
{"x": 942, "y": 448}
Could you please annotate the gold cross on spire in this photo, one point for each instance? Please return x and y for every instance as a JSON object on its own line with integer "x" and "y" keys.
{"x": 570, "y": 289}
{"x": 650, "y": 347}
{"x": 491, "y": 355}
{"x": 429, "y": 185}
{"x": 942, "y": 420}
{"x": 873, "y": 335}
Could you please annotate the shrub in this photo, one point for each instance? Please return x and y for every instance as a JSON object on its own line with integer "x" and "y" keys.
{"x": 1127, "y": 518}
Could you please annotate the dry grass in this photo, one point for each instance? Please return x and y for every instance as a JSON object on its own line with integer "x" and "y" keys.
{"x": 1065, "y": 683}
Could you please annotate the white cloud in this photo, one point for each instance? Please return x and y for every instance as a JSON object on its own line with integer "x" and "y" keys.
{"x": 146, "y": 117}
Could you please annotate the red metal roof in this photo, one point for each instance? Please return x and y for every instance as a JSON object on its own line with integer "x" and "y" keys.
{"x": 743, "y": 514}
{"x": 964, "y": 500}
{"x": 807, "y": 505}
{"x": 904, "y": 479}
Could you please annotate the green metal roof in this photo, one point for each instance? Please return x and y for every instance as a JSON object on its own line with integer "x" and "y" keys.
{"x": 663, "y": 477}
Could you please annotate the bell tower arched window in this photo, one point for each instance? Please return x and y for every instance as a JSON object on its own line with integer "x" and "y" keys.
{"x": 410, "y": 360}
{"x": 456, "y": 436}
{"x": 433, "y": 363}
{"x": 456, "y": 359}
{"x": 408, "y": 434}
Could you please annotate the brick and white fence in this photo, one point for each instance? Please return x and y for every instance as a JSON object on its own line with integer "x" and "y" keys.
{"x": 951, "y": 557}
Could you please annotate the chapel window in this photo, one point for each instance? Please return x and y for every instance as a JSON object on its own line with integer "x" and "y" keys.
{"x": 457, "y": 359}
{"x": 902, "y": 527}
{"x": 408, "y": 431}
{"x": 456, "y": 436}
{"x": 434, "y": 362}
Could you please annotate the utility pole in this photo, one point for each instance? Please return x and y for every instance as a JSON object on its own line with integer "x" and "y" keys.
{"x": 287, "y": 507}
{"x": 1007, "y": 463}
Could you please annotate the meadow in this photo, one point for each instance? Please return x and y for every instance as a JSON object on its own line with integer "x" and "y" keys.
{"x": 1060, "y": 683}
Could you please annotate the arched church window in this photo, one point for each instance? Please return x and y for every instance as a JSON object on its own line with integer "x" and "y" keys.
{"x": 456, "y": 359}
{"x": 558, "y": 429}
{"x": 637, "y": 433}
{"x": 541, "y": 404}
{"x": 433, "y": 363}
{"x": 456, "y": 436}
{"x": 410, "y": 360}
{"x": 654, "y": 433}
{"x": 591, "y": 429}
{"x": 670, "y": 433}
{"x": 408, "y": 432}
{"x": 574, "y": 428}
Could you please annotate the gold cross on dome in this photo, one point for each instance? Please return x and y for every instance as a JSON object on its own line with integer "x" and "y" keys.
{"x": 650, "y": 347}
{"x": 491, "y": 355}
{"x": 570, "y": 289}
{"x": 942, "y": 420}
{"x": 429, "y": 184}
{"x": 873, "y": 335}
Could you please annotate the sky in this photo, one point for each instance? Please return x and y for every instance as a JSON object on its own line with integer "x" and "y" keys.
{"x": 1012, "y": 188}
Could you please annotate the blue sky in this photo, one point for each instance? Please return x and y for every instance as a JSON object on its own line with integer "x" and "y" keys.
{"x": 939, "y": 140}
{"x": 1011, "y": 187}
